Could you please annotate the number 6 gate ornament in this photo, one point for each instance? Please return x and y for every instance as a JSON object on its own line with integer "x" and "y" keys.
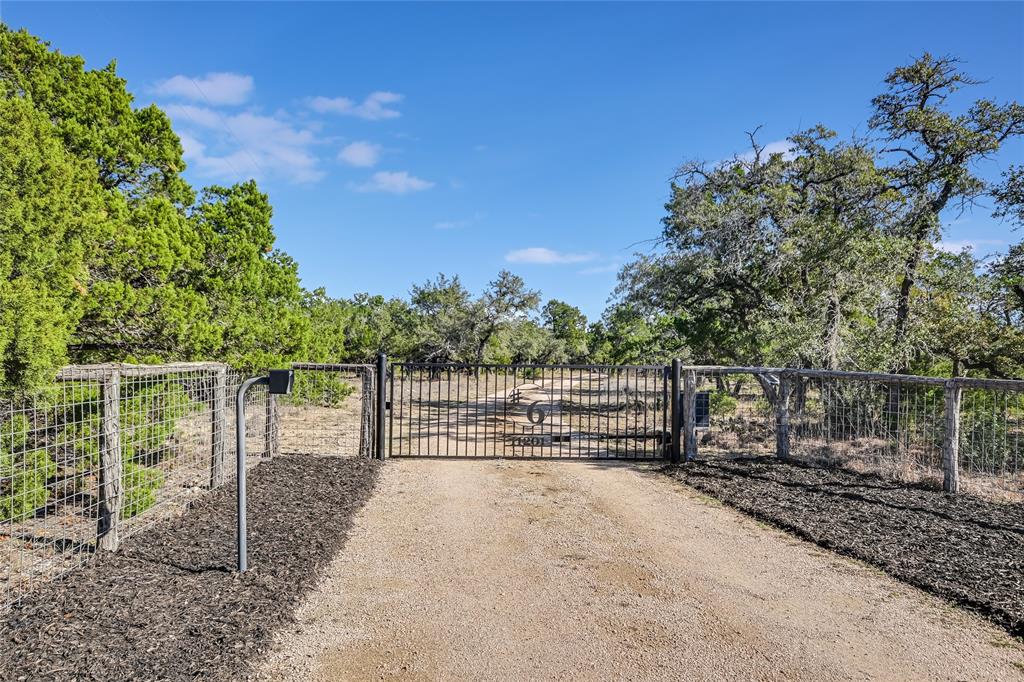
{"x": 535, "y": 414}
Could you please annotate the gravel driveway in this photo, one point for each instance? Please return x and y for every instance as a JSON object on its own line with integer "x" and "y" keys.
{"x": 551, "y": 570}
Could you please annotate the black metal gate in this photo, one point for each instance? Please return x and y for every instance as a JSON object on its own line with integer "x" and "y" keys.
{"x": 551, "y": 411}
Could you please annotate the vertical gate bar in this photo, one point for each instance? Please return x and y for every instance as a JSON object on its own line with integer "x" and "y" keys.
{"x": 561, "y": 405}
{"x": 418, "y": 419}
{"x": 458, "y": 407}
{"x": 407, "y": 408}
{"x": 448, "y": 413}
{"x": 572, "y": 409}
{"x": 664, "y": 413}
{"x": 391, "y": 414}
{"x": 643, "y": 402}
{"x": 618, "y": 414}
{"x": 623, "y": 437}
{"x": 677, "y": 420}
{"x": 487, "y": 440}
{"x": 382, "y": 370}
{"x": 504, "y": 409}
{"x": 579, "y": 409}
{"x": 477, "y": 416}
{"x": 401, "y": 404}
{"x": 590, "y": 409}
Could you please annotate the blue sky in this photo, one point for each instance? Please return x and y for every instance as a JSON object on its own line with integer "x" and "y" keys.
{"x": 397, "y": 141}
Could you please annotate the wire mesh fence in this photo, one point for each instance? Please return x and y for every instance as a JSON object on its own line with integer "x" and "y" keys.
{"x": 329, "y": 412}
{"x": 109, "y": 450}
{"x": 967, "y": 434}
{"x": 733, "y": 414}
{"x": 892, "y": 427}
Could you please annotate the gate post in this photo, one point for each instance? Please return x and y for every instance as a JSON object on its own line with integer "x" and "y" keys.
{"x": 676, "y": 416}
{"x": 953, "y": 393}
{"x": 690, "y": 415}
{"x": 111, "y": 485}
{"x": 382, "y": 404}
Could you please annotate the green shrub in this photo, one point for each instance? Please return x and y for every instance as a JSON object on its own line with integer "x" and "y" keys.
{"x": 722, "y": 403}
{"x": 150, "y": 412}
{"x": 140, "y": 487}
{"x": 24, "y": 472}
{"x": 317, "y": 388}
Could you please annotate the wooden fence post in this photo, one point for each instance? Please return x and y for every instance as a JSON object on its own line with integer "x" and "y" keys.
{"x": 111, "y": 487}
{"x": 218, "y": 426}
{"x": 366, "y": 381}
{"x": 951, "y": 437}
{"x": 782, "y": 393}
{"x": 690, "y": 415}
{"x": 270, "y": 435}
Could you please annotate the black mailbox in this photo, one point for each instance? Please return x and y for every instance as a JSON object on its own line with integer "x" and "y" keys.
{"x": 281, "y": 381}
{"x": 702, "y": 410}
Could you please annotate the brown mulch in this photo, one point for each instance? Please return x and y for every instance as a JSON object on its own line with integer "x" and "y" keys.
{"x": 964, "y": 549}
{"x": 169, "y": 606}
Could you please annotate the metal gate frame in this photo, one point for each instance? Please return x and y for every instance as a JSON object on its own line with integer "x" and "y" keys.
{"x": 540, "y": 411}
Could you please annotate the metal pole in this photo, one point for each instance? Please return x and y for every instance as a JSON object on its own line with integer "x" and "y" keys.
{"x": 676, "y": 416}
{"x": 243, "y": 557}
{"x": 382, "y": 401}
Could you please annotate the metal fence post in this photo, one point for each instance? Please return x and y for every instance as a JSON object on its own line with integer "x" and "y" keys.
{"x": 218, "y": 422}
{"x": 243, "y": 549}
{"x": 111, "y": 487}
{"x": 690, "y": 415}
{"x": 676, "y": 416}
{"x": 951, "y": 437}
{"x": 382, "y": 403}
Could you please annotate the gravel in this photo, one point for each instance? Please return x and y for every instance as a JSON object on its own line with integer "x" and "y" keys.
{"x": 513, "y": 570}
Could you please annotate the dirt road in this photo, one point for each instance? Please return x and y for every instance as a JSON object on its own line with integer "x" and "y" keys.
{"x": 595, "y": 570}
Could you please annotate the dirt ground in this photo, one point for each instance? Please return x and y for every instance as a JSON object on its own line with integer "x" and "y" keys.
{"x": 552, "y": 570}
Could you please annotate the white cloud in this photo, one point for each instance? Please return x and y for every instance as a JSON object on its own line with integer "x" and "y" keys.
{"x": 542, "y": 256}
{"x": 213, "y": 88}
{"x": 958, "y": 245}
{"x": 360, "y": 154}
{"x": 393, "y": 183}
{"x": 240, "y": 146}
{"x": 373, "y": 108}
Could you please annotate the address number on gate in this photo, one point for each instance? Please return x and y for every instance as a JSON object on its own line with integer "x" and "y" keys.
{"x": 530, "y": 440}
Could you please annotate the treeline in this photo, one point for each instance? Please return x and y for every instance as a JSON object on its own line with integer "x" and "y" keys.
{"x": 829, "y": 255}
{"x": 824, "y": 256}
{"x": 108, "y": 254}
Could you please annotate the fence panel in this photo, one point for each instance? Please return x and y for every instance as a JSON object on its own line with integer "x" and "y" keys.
{"x": 991, "y": 441}
{"x": 892, "y": 427}
{"x": 733, "y": 414}
{"x": 107, "y": 451}
{"x": 330, "y": 410}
